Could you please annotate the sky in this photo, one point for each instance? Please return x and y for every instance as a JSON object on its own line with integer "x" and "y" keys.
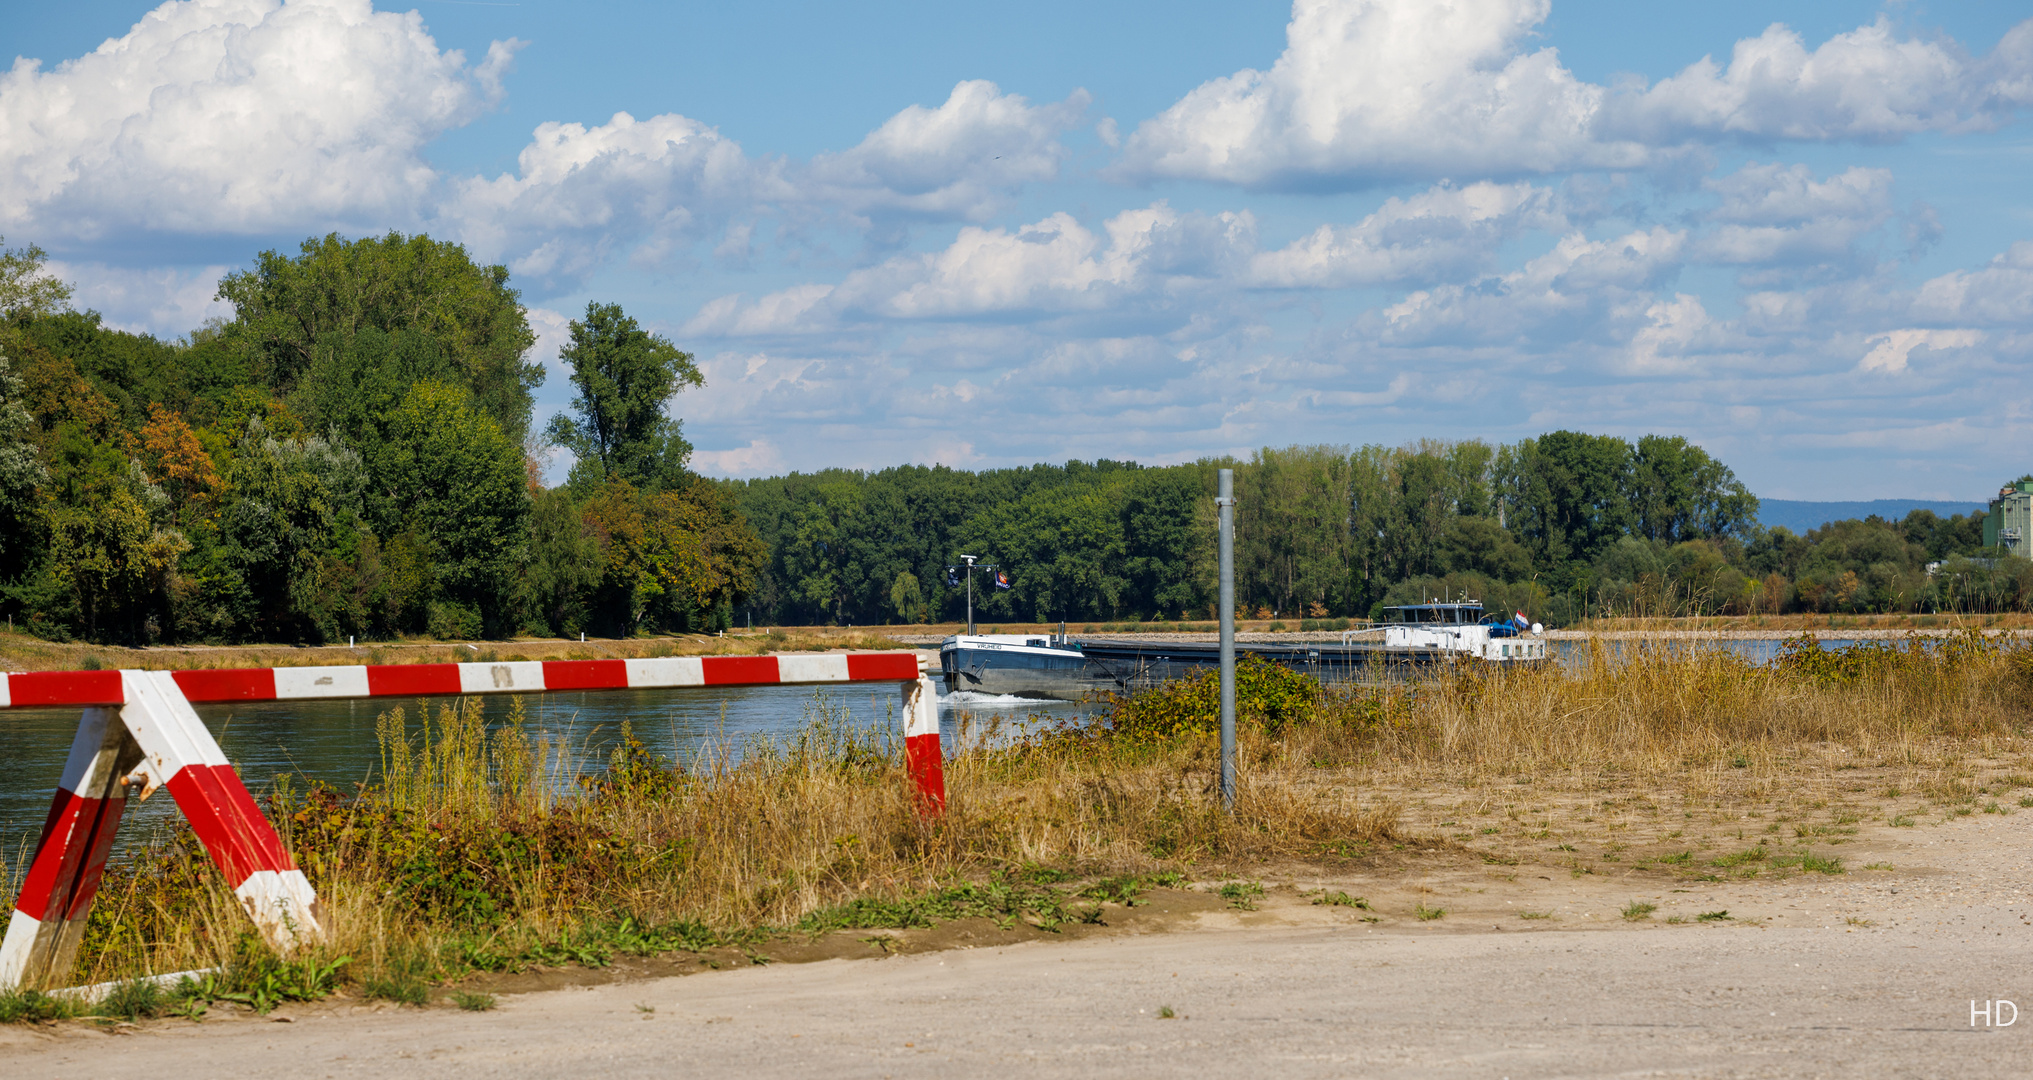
{"x": 1799, "y": 234}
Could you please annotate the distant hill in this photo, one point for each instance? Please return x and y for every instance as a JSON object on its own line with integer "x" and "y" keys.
{"x": 1801, "y": 516}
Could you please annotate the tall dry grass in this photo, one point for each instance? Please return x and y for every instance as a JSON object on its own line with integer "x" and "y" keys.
{"x": 473, "y": 845}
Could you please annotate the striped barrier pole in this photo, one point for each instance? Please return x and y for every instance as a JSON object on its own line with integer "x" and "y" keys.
{"x": 56, "y": 896}
{"x": 139, "y": 728}
{"x": 179, "y": 754}
{"x": 923, "y": 758}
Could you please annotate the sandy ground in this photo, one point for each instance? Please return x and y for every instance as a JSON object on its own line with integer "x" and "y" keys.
{"x": 1867, "y": 973}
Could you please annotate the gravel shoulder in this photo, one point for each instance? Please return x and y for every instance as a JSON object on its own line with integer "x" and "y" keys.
{"x": 1863, "y": 973}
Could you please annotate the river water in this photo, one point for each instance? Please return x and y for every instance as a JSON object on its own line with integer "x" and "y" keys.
{"x": 334, "y": 741}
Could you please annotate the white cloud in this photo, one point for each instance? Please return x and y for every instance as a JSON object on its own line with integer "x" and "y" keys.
{"x": 1370, "y": 89}
{"x": 1890, "y": 351}
{"x": 759, "y": 458}
{"x": 1375, "y": 90}
{"x": 1673, "y": 333}
{"x": 1773, "y": 213}
{"x": 1049, "y": 266}
{"x": 236, "y": 116}
{"x": 582, "y": 195}
{"x": 553, "y": 332}
{"x": 959, "y": 161}
{"x": 1581, "y": 290}
{"x": 1866, "y": 84}
{"x": 168, "y": 302}
{"x": 1443, "y": 231}
{"x": 255, "y": 116}
{"x": 2000, "y": 294}
{"x": 650, "y": 189}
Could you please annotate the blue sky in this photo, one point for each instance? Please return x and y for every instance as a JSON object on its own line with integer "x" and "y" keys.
{"x": 986, "y": 234}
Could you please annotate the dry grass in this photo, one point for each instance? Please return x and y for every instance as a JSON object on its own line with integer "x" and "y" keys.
{"x": 1807, "y": 621}
{"x": 466, "y": 853}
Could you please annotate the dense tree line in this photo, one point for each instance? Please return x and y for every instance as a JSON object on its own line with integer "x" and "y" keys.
{"x": 1562, "y": 526}
{"x": 350, "y": 454}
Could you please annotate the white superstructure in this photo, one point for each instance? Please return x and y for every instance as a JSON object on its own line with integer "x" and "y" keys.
{"x": 1460, "y": 628}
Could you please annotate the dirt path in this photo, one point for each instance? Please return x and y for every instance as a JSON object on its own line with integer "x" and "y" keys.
{"x": 1864, "y": 973}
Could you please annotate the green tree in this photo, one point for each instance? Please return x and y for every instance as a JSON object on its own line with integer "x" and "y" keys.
{"x": 21, "y": 472}
{"x": 1568, "y": 494}
{"x": 277, "y": 527}
{"x": 451, "y": 474}
{"x": 287, "y": 309}
{"x": 906, "y": 598}
{"x": 25, "y": 290}
{"x": 1679, "y": 492}
{"x": 117, "y": 557}
{"x": 565, "y": 562}
{"x": 626, "y": 378}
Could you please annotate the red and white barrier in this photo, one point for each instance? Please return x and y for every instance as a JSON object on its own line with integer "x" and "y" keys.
{"x": 49, "y": 918}
{"x": 139, "y": 728}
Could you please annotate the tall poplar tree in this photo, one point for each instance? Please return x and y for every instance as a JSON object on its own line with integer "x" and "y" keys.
{"x": 625, "y": 377}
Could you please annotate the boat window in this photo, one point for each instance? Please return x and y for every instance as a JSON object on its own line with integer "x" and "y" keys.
{"x": 1037, "y": 641}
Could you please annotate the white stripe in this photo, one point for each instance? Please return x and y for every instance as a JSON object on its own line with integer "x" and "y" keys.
{"x": 519, "y": 676}
{"x": 921, "y": 709}
{"x": 18, "y": 947}
{"x": 6, "y": 694}
{"x": 344, "y": 681}
{"x": 279, "y": 902}
{"x": 163, "y": 723}
{"x": 823, "y": 667}
{"x": 666, "y": 671}
{"x": 87, "y": 751}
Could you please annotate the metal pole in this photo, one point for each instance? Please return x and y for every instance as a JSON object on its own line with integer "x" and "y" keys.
{"x": 970, "y": 597}
{"x": 1226, "y": 501}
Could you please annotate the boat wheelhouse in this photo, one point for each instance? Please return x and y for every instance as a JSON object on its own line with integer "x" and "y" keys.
{"x": 1460, "y": 628}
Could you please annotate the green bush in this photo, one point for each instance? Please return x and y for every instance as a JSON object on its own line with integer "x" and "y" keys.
{"x": 1266, "y": 695}
{"x": 448, "y": 621}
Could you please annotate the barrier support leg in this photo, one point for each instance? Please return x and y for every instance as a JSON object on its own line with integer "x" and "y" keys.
{"x": 180, "y": 754}
{"x": 63, "y": 879}
{"x": 922, "y": 755}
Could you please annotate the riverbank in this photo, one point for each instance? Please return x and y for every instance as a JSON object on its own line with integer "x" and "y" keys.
{"x": 462, "y": 858}
{"x": 22, "y": 652}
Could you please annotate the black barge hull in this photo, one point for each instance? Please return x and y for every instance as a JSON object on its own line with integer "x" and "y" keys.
{"x": 1111, "y": 665}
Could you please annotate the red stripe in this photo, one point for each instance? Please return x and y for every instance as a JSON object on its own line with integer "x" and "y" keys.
{"x": 882, "y": 667}
{"x": 398, "y": 680}
{"x": 227, "y": 822}
{"x": 227, "y": 684}
{"x": 928, "y": 772}
{"x": 57, "y": 855}
{"x": 585, "y": 674}
{"x": 98, "y": 844}
{"x": 65, "y": 688}
{"x": 739, "y": 670}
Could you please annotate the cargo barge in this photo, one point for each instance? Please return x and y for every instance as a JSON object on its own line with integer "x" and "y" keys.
{"x": 1058, "y": 666}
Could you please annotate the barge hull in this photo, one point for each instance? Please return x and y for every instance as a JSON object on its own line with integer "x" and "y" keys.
{"x": 1118, "y": 665}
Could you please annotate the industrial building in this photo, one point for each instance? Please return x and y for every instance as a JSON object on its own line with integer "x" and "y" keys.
{"x": 2010, "y": 522}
